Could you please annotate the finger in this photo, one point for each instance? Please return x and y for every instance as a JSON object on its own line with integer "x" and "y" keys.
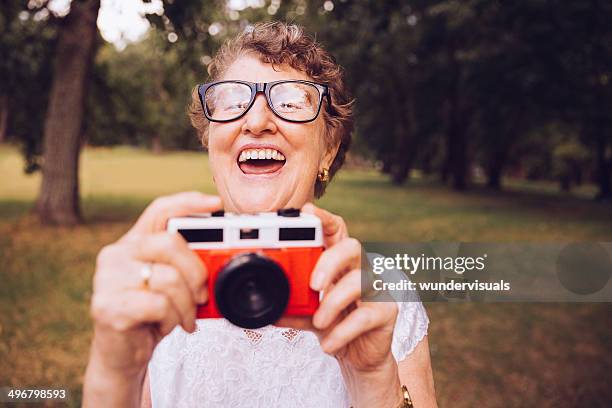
{"x": 132, "y": 308}
{"x": 170, "y": 282}
{"x": 346, "y": 291}
{"x": 170, "y": 320}
{"x": 359, "y": 321}
{"x": 334, "y": 227}
{"x": 172, "y": 249}
{"x": 156, "y": 215}
{"x": 334, "y": 261}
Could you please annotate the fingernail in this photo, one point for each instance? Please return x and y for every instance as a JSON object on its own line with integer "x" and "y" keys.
{"x": 307, "y": 207}
{"x": 318, "y": 319}
{"x": 327, "y": 346}
{"x": 212, "y": 201}
{"x": 316, "y": 281}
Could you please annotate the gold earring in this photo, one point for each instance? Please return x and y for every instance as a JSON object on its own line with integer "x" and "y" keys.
{"x": 323, "y": 175}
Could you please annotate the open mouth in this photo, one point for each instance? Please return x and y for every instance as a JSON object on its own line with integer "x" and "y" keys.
{"x": 260, "y": 161}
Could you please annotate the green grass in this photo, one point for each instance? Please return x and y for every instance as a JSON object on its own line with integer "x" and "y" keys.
{"x": 496, "y": 355}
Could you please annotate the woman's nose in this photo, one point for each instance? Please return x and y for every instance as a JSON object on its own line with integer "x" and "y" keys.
{"x": 260, "y": 118}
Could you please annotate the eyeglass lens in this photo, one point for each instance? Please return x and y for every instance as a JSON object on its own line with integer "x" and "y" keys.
{"x": 290, "y": 100}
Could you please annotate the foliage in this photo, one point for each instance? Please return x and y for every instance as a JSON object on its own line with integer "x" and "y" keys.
{"x": 443, "y": 86}
{"x": 27, "y": 39}
{"x": 474, "y": 78}
{"x": 140, "y": 96}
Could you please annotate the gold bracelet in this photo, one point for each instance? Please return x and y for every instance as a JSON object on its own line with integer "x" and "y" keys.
{"x": 407, "y": 403}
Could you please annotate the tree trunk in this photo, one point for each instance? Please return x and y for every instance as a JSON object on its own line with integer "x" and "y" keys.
{"x": 456, "y": 163}
{"x": 494, "y": 177}
{"x": 4, "y": 114}
{"x": 444, "y": 173}
{"x": 405, "y": 114}
{"x": 58, "y": 202}
{"x": 494, "y": 170}
{"x": 457, "y": 122}
{"x": 565, "y": 184}
{"x": 156, "y": 145}
{"x": 604, "y": 168}
{"x": 387, "y": 166}
{"x": 401, "y": 172}
{"x": 406, "y": 150}
{"x": 426, "y": 162}
{"x": 458, "y": 156}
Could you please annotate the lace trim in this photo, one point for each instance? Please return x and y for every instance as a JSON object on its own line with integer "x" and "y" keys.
{"x": 413, "y": 323}
{"x": 290, "y": 335}
{"x": 410, "y": 328}
{"x": 255, "y": 336}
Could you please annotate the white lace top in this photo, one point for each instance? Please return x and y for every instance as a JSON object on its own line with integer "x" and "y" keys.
{"x": 221, "y": 365}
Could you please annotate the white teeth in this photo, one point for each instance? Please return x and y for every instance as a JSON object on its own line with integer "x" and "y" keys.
{"x": 251, "y": 154}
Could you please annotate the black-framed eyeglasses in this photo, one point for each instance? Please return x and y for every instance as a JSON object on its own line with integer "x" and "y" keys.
{"x": 291, "y": 100}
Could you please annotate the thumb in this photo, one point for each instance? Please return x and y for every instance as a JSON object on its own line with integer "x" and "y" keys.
{"x": 156, "y": 215}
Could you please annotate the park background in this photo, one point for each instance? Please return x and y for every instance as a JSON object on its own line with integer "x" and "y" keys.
{"x": 475, "y": 121}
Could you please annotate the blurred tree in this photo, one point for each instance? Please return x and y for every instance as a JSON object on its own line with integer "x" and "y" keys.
{"x": 566, "y": 50}
{"x": 477, "y": 71}
{"x": 439, "y": 84}
{"x": 140, "y": 96}
{"x": 570, "y": 158}
{"x": 507, "y": 87}
{"x": 584, "y": 80}
{"x": 382, "y": 70}
{"x": 27, "y": 39}
{"x": 58, "y": 201}
{"x": 455, "y": 31}
{"x": 554, "y": 151}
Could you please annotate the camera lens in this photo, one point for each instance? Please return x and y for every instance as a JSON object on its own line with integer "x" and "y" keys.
{"x": 252, "y": 291}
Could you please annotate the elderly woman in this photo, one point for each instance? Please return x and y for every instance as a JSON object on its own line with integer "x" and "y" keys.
{"x": 276, "y": 119}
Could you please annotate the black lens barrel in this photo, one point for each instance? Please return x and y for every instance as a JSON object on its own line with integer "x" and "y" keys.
{"x": 252, "y": 291}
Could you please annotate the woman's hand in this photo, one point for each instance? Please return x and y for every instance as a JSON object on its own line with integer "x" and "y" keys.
{"x": 129, "y": 319}
{"x": 358, "y": 334}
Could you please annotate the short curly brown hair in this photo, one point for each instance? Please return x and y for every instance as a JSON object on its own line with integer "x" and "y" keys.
{"x": 280, "y": 43}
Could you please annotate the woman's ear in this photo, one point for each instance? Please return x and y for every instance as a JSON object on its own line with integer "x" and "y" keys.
{"x": 329, "y": 156}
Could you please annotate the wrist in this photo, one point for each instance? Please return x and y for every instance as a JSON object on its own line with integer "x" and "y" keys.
{"x": 108, "y": 382}
{"x": 107, "y": 386}
{"x": 378, "y": 386}
{"x": 118, "y": 353}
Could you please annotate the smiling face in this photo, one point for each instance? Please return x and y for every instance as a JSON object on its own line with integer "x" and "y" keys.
{"x": 261, "y": 162}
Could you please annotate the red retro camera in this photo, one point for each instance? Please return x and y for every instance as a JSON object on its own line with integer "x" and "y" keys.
{"x": 259, "y": 265}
